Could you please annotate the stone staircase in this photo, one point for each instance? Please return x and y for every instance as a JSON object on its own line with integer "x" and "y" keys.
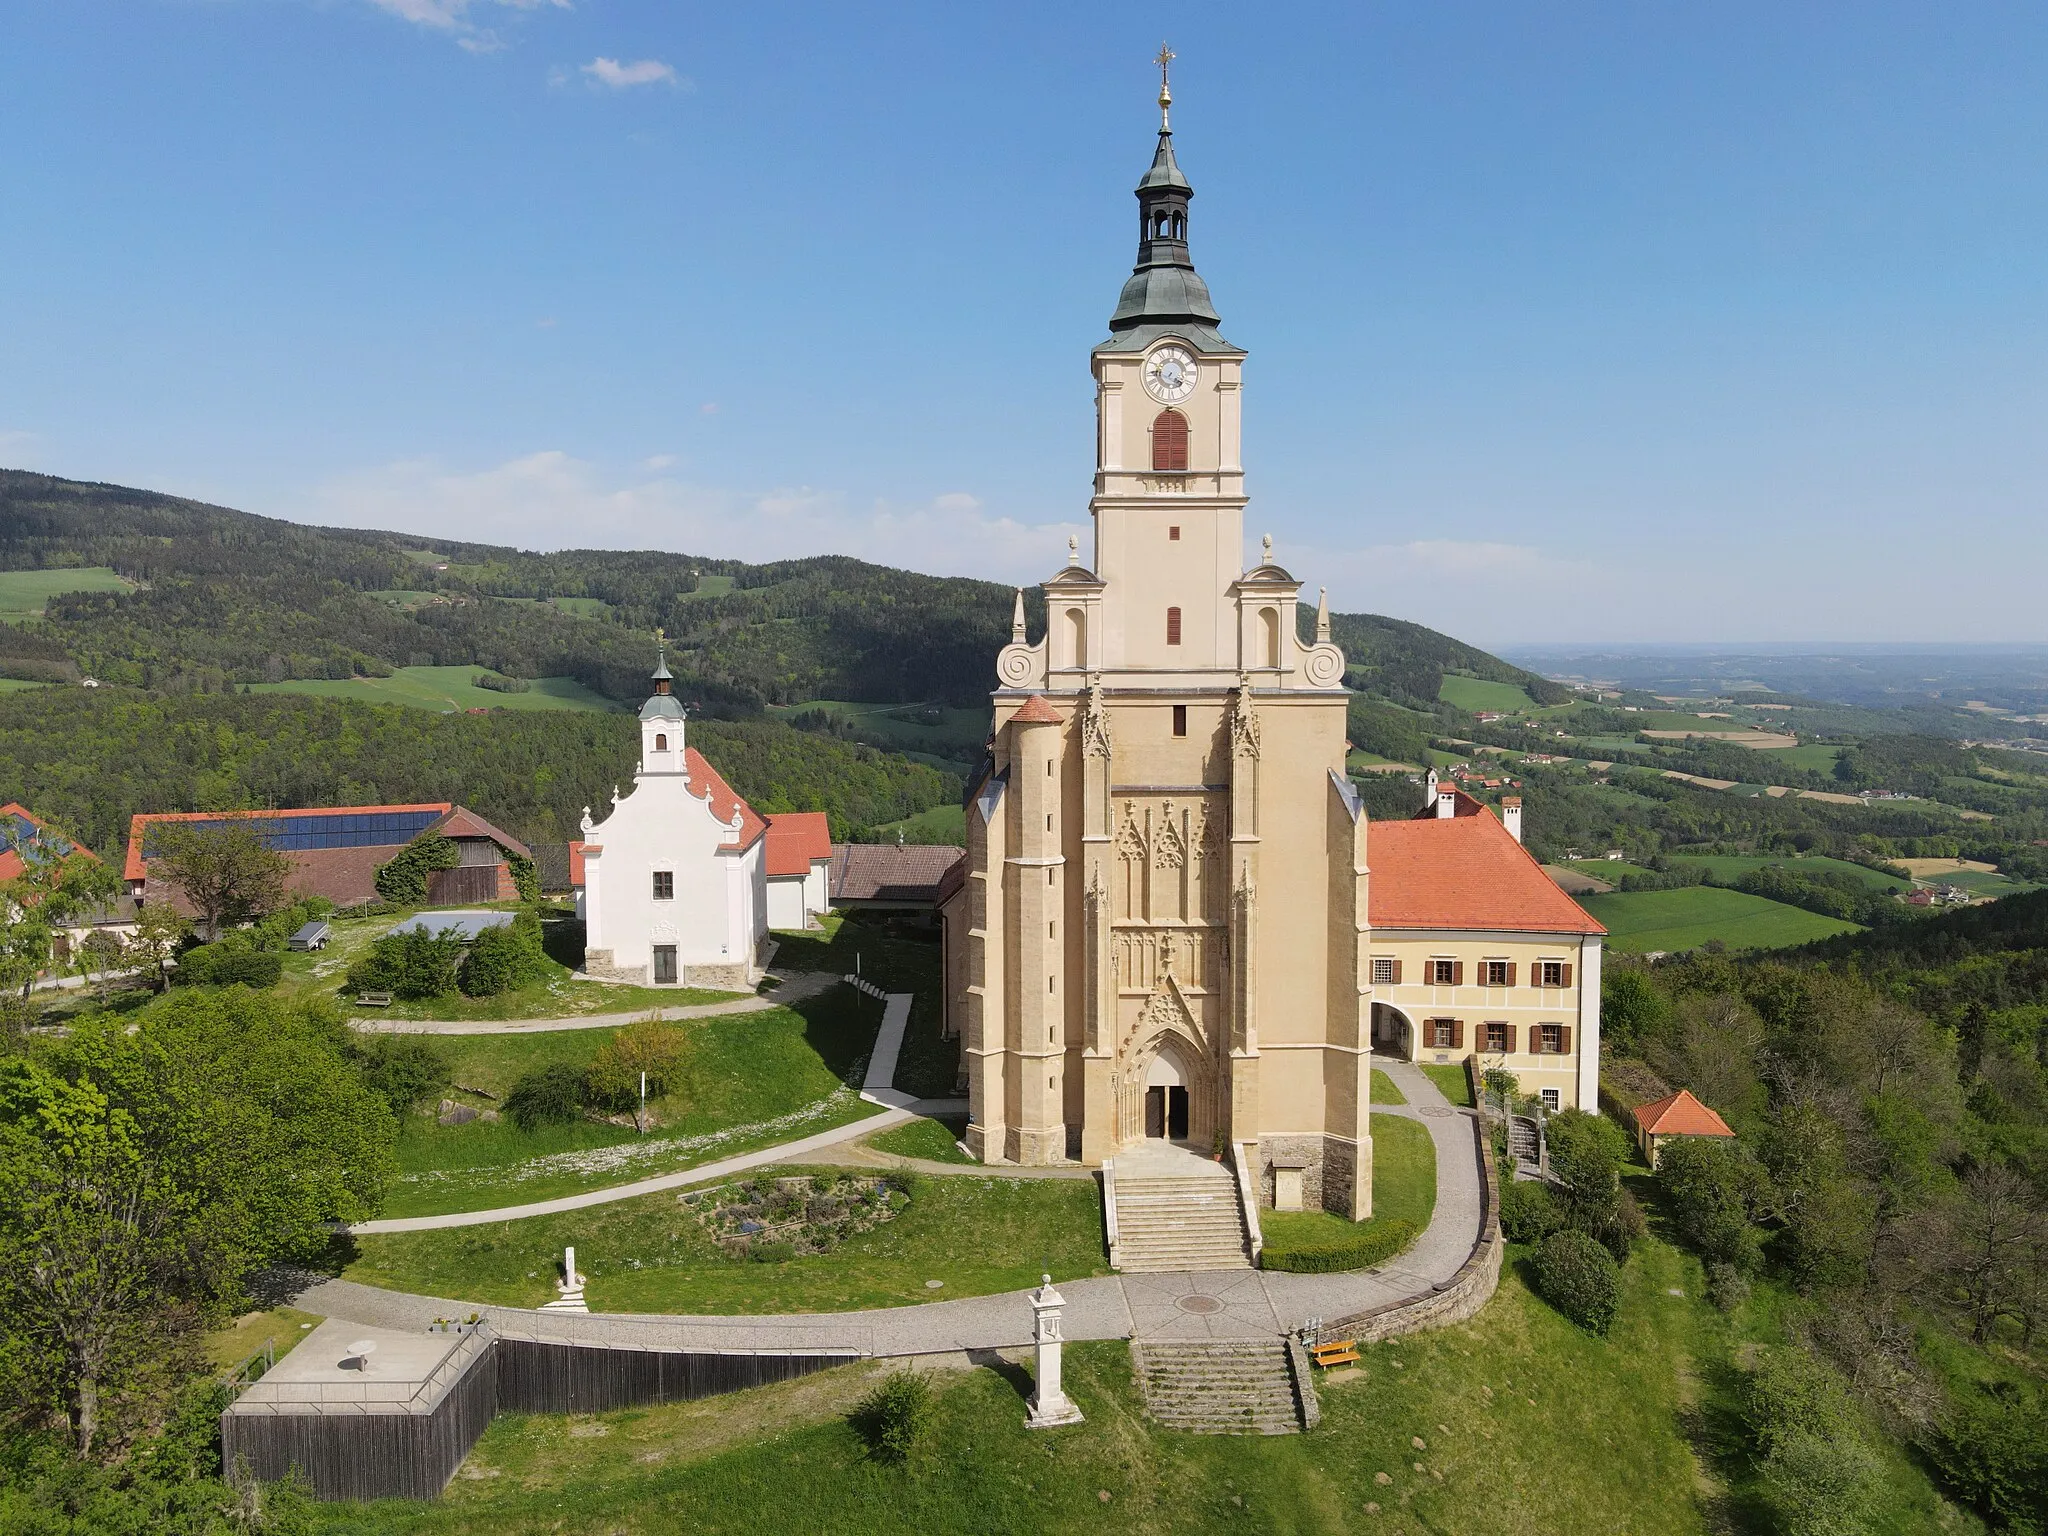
{"x": 1177, "y": 1212}
{"x": 1220, "y": 1386}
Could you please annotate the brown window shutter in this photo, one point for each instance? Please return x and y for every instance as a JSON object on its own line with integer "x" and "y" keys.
{"x": 1170, "y": 441}
{"x": 1173, "y": 626}
{"x": 1511, "y": 1039}
{"x": 1457, "y": 973}
{"x": 1564, "y": 1039}
{"x": 1567, "y": 977}
{"x": 1511, "y": 973}
{"x": 1457, "y": 1034}
{"x": 1397, "y": 973}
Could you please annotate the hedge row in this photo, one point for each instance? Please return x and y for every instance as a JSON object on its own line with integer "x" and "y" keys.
{"x": 1372, "y": 1246}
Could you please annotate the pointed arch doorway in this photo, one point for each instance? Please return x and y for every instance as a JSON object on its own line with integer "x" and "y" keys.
{"x": 1166, "y": 1098}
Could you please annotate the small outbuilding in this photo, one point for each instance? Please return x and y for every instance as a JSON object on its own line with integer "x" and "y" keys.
{"x": 1676, "y": 1115}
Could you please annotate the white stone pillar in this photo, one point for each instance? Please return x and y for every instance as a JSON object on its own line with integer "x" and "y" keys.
{"x": 1589, "y": 1024}
{"x": 1050, "y": 1405}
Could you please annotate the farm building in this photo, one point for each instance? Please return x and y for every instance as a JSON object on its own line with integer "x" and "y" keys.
{"x": 891, "y": 877}
{"x": 336, "y": 850}
{"x": 799, "y": 869}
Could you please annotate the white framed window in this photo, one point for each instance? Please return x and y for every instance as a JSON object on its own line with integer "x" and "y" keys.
{"x": 1382, "y": 970}
{"x": 1552, "y": 1100}
{"x": 1553, "y": 973}
{"x": 664, "y": 885}
{"x": 1444, "y": 973}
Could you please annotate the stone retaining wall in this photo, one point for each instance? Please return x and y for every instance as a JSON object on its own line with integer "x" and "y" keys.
{"x": 1458, "y": 1297}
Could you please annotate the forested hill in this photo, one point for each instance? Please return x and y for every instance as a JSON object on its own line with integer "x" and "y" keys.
{"x": 223, "y": 598}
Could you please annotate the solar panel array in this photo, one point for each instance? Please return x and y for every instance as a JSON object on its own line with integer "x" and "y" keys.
{"x": 18, "y": 831}
{"x": 290, "y": 833}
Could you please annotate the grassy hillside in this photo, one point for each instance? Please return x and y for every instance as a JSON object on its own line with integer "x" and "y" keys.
{"x": 1639, "y": 922}
{"x": 446, "y": 688}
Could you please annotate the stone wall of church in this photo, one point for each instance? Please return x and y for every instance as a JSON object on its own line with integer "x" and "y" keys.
{"x": 1329, "y": 1178}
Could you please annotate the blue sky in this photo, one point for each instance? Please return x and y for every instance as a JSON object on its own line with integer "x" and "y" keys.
{"x": 1648, "y": 322}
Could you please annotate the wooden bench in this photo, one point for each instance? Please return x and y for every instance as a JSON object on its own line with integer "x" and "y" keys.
{"x": 373, "y": 999}
{"x": 1342, "y": 1352}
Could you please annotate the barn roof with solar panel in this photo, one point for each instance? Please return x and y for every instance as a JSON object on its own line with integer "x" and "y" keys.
{"x": 336, "y": 850}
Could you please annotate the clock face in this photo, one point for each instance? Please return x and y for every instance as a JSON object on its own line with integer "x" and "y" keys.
{"x": 1170, "y": 375}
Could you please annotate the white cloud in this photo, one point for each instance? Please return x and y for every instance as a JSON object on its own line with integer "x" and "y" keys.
{"x": 453, "y": 16}
{"x": 623, "y": 76}
{"x": 551, "y": 500}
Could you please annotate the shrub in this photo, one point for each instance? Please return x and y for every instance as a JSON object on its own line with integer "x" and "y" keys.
{"x": 646, "y": 1045}
{"x": 1993, "y": 1455}
{"x": 1579, "y": 1278}
{"x": 550, "y": 1095}
{"x": 1529, "y": 1212}
{"x": 895, "y": 1418}
{"x": 1620, "y": 1227}
{"x": 228, "y": 964}
{"x": 1821, "y": 1486}
{"x": 1716, "y": 1191}
{"x": 411, "y": 965}
{"x": 1374, "y": 1245}
{"x": 502, "y": 959}
{"x": 1727, "y": 1289}
{"x": 404, "y": 1069}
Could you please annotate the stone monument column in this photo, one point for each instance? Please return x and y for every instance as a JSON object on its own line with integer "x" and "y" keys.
{"x": 1050, "y": 1405}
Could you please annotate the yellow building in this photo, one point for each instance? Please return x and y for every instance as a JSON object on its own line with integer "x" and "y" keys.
{"x": 1166, "y": 926}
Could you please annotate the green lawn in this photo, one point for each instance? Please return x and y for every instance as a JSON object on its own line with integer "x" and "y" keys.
{"x": 1403, "y": 1189}
{"x": 1732, "y": 867}
{"x": 898, "y": 958}
{"x": 940, "y": 824}
{"x": 581, "y": 607}
{"x": 1527, "y": 1425}
{"x": 15, "y": 684}
{"x": 1641, "y": 921}
{"x": 1610, "y": 870}
{"x": 975, "y": 1234}
{"x": 1384, "y": 1091}
{"x": 935, "y": 1140}
{"x": 1451, "y": 1082}
{"x": 750, "y": 1080}
{"x": 1982, "y": 882}
{"x": 1476, "y": 693}
{"x": 23, "y": 593}
{"x": 447, "y": 689}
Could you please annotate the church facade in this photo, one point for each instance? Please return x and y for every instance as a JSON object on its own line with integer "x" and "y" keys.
{"x": 1165, "y": 928}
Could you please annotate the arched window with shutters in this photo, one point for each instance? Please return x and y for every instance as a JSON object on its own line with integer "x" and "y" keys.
{"x": 1173, "y": 626}
{"x": 1170, "y": 441}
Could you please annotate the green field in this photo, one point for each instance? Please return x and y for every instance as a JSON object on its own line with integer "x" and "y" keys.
{"x": 955, "y": 735}
{"x": 581, "y": 607}
{"x": 940, "y": 824}
{"x": 16, "y": 684}
{"x": 1610, "y": 870}
{"x": 1670, "y": 921}
{"x": 715, "y": 585}
{"x": 1982, "y": 882}
{"x": 974, "y": 1234}
{"x": 1729, "y": 868}
{"x": 23, "y": 593}
{"x": 446, "y": 689}
{"x": 1476, "y": 693}
{"x": 1813, "y": 756}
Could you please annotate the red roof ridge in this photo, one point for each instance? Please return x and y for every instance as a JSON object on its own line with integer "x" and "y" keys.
{"x": 1459, "y": 872}
{"x": 1037, "y": 711}
{"x": 724, "y": 800}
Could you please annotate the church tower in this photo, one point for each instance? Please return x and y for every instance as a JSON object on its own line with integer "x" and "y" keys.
{"x": 1161, "y": 927}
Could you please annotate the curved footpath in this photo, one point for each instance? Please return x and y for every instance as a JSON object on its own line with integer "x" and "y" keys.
{"x": 795, "y": 987}
{"x": 1253, "y": 1303}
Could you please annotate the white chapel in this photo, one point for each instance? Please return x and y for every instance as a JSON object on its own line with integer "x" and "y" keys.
{"x": 672, "y": 886}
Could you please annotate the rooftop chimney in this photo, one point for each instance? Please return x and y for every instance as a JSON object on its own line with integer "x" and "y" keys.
{"x": 1446, "y": 802}
{"x": 1429, "y": 794}
{"x": 1511, "y": 816}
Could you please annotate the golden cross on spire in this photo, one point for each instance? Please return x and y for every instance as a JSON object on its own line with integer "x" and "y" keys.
{"x": 1166, "y": 57}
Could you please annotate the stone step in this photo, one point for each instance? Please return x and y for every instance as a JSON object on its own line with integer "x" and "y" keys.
{"x": 1219, "y": 1386}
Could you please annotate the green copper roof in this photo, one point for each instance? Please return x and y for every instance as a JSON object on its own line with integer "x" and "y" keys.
{"x": 1164, "y": 290}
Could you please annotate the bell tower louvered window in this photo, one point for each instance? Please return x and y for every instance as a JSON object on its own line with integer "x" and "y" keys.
{"x": 1170, "y": 442}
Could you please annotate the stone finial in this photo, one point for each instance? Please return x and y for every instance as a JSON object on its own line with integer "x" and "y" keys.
{"x": 1073, "y": 549}
{"x": 1017, "y": 620}
{"x": 1322, "y": 616}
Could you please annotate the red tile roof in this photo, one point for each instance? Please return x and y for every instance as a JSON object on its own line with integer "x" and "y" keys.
{"x": 576, "y": 861}
{"x": 1463, "y": 872}
{"x": 723, "y": 799}
{"x": 132, "y": 868}
{"x": 11, "y": 865}
{"x": 1037, "y": 712}
{"x": 795, "y": 840}
{"x": 1680, "y": 1115}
